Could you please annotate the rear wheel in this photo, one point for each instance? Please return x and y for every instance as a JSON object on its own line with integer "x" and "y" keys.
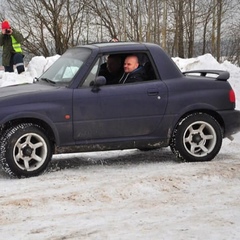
{"x": 25, "y": 150}
{"x": 198, "y": 137}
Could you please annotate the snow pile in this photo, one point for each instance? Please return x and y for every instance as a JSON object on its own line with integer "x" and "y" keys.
{"x": 35, "y": 68}
{"x": 206, "y": 61}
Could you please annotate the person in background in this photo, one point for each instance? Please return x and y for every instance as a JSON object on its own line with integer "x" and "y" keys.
{"x": 11, "y": 40}
{"x": 114, "y": 39}
{"x": 134, "y": 72}
{"x": 112, "y": 70}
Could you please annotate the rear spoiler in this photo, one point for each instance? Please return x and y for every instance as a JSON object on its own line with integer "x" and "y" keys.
{"x": 221, "y": 75}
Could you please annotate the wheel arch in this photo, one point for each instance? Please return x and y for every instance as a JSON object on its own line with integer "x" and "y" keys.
{"x": 50, "y": 131}
{"x": 210, "y": 112}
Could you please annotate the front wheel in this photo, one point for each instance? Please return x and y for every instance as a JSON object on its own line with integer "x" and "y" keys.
{"x": 25, "y": 150}
{"x": 198, "y": 137}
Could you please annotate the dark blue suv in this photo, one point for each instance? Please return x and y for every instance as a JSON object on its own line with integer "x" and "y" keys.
{"x": 72, "y": 108}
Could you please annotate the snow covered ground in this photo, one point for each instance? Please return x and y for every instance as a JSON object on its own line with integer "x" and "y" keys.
{"x": 126, "y": 194}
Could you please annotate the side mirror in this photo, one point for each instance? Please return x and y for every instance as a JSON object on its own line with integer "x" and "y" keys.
{"x": 97, "y": 83}
{"x": 100, "y": 81}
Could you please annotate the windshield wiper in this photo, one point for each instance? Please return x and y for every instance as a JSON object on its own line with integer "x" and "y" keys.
{"x": 48, "y": 80}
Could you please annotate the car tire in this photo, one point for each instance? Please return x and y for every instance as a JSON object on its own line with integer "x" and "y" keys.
{"x": 197, "y": 137}
{"x": 25, "y": 150}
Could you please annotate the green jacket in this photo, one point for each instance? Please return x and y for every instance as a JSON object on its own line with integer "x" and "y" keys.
{"x": 6, "y": 43}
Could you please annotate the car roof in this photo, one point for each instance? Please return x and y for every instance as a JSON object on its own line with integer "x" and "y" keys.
{"x": 121, "y": 46}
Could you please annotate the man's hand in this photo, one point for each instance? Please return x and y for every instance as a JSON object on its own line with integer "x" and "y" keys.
{"x": 7, "y": 31}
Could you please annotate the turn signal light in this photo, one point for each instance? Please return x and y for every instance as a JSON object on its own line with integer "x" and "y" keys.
{"x": 67, "y": 116}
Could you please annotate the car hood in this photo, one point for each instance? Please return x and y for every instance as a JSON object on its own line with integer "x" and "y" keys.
{"x": 23, "y": 88}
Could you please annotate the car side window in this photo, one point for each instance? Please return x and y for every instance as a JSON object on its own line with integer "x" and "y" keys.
{"x": 150, "y": 74}
{"x": 105, "y": 66}
{"x": 147, "y": 65}
{"x": 92, "y": 75}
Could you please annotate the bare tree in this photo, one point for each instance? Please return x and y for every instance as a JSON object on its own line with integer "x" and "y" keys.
{"x": 230, "y": 47}
{"x": 182, "y": 27}
{"x": 178, "y": 11}
{"x": 205, "y": 15}
{"x": 164, "y": 24}
{"x": 219, "y": 23}
{"x": 51, "y": 26}
{"x": 189, "y": 18}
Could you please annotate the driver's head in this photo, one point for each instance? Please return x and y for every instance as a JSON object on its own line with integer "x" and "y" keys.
{"x": 131, "y": 63}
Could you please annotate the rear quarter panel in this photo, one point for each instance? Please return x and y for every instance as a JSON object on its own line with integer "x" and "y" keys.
{"x": 188, "y": 94}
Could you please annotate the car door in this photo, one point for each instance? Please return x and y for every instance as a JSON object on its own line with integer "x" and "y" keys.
{"x": 118, "y": 111}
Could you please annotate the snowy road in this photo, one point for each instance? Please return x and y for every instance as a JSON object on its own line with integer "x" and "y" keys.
{"x": 125, "y": 195}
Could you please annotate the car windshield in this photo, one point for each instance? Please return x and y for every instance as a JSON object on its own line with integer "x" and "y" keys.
{"x": 64, "y": 69}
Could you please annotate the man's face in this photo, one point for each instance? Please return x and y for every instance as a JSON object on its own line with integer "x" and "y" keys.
{"x": 130, "y": 64}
